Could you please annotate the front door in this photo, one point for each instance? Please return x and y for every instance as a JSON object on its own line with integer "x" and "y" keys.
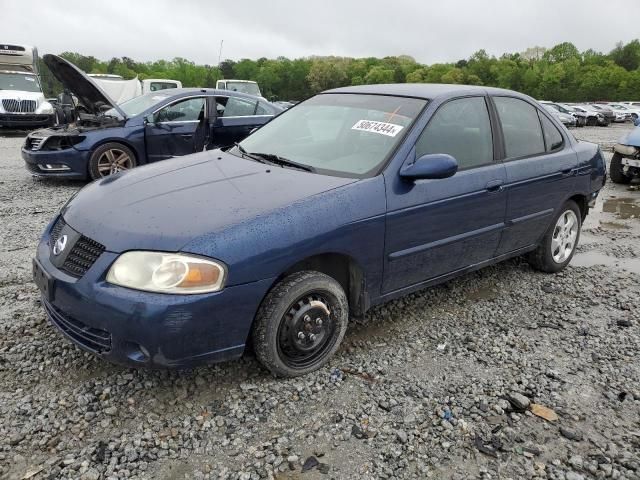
{"x": 173, "y": 130}
{"x": 540, "y": 166}
{"x": 435, "y": 227}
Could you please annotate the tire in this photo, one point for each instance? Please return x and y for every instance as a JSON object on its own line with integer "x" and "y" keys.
{"x": 634, "y": 116}
{"x": 109, "y": 158}
{"x": 553, "y": 254}
{"x": 300, "y": 324}
{"x": 592, "y": 121}
{"x": 615, "y": 170}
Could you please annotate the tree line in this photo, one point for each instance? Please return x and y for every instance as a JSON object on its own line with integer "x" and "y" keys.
{"x": 560, "y": 73}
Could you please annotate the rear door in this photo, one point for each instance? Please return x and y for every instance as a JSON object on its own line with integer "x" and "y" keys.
{"x": 173, "y": 130}
{"x": 236, "y": 118}
{"x": 540, "y": 166}
{"x": 435, "y": 227}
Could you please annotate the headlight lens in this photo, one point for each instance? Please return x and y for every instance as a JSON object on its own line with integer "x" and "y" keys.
{"x": 45, "y": 108}
{"x": 61, "y": 143}
{"x": 167, "y": 273}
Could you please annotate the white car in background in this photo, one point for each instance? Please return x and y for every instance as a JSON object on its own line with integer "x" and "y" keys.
{"x": 566, "y": 119}
{"x": 629, "y": 111}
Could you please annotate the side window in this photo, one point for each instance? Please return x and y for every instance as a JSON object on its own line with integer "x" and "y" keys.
{"x": 263, "y": 109}
{"x": 183, "y": 111}
{"x": 462, "y": 129}
{"x": 552, "y": 136}
{"x": 235, "y": 107}
{"x": 520, "y": 126}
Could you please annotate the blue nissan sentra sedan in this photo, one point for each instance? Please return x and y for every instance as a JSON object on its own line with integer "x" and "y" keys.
{"x": 352, "y": 198}
{"x": 108, "y": 138}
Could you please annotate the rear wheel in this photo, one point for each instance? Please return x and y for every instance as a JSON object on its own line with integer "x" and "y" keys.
{"x": 300, "y": 324}
{"x": 110, "y": 158}
{"x": 559, "y": 242}
{"x": 615, "y": 170}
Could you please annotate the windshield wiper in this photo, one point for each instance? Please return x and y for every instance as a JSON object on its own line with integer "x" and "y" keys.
{"x": 283, "y": 162}
{"x": 252, "y": 156}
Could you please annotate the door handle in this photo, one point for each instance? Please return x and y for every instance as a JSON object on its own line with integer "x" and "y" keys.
{"x": 495, "y": 186}
{"x": 569, "y": 172}
{"x": 186, "y": 135}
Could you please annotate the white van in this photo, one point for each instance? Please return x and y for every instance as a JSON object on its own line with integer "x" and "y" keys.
{"x": 22, "y": 103}
{"x": 121, "y": 90}
{"x": 242, "y": 86}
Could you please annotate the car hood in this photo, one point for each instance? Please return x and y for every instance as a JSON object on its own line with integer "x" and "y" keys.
{"x": 165, "y": 205}
{"x": 22, "y": 95}
{"x": 88, "y": 92}
{"x": 632, "y": 138}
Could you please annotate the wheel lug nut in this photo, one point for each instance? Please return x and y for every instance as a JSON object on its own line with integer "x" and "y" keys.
{"x": 312, "y": 337}
{"x": 307, "y": 318}
{"x": 301, "y": 335}
{"x": 318, "y": 321}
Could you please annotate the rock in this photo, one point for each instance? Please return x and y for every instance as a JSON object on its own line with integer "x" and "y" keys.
{"x": 518, "y": 401}
{"x": 310, "y": 463}
{"x": 16, "y": 438}
{"x": 402, "y": 436}
{"x": 111, "y": 410}
{"x": 573, "y": 476}
{"x": 323, "y": 468}
{"x": 571, "y": 434}
{"x": 623, "y": 322}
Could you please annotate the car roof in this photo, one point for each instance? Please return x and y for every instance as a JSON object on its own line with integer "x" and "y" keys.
{"x": 427, "y": 91}
{"x": 177, "y": 92}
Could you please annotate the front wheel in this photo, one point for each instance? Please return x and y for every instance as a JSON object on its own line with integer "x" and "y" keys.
{"x": 559, "y": 242}
{"x": 110, "y": 158}
{"x": 300, "y": 324}
{"x": 616, "y": 173}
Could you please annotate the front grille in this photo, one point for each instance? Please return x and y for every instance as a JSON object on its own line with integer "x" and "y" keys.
{"x": 11, "y": 105}
{"x": 93, "y": 339}
{"x": 83, "y": 254}
{"x": 34, "y": 143}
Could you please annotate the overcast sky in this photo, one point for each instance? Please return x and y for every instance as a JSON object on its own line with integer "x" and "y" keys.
{"x": 430, "y": 31}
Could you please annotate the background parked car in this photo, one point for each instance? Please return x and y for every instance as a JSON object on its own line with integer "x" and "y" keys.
{"x": 159, "y": 125}
{"x": 594, "y": 116}
{"x": 608, "y": 113}
{"x": 580, "y": 117}
{"x": 566, "y": 119}
{"x": 631, "y": 112}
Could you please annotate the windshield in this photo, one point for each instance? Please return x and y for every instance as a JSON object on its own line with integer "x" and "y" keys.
{"x": 338, "y": 134}
{"x": 19, "y": 81}
{"x": 137, "y": 105}
{"x": 244, "y": 87}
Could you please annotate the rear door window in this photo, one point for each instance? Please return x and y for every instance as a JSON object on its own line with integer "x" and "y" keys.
{"x": 235, "y": 107}
{"x": 552, "y": 136}
{"x": 520, "y": 127}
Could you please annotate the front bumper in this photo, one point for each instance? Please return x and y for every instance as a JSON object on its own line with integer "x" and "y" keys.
{"x": 68, "y": 163}
{"x": 137, "y": 328}
{"x": 26, "y": 120}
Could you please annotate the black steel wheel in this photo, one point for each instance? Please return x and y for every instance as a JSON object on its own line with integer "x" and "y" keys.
{"x": 300, "y": 324}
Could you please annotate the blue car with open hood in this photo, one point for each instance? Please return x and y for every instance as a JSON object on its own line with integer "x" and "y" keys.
{"x": 107, "y": 138}
{"x": 349, "y": 199}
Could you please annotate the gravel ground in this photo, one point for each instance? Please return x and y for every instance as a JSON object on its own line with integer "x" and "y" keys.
{"x": 439, "y": 384}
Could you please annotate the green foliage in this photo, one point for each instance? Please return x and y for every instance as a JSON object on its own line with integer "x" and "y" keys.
{"x": 561, "y": 72}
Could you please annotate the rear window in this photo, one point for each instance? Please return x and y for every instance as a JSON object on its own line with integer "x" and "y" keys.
{"x": 520, "y": 126}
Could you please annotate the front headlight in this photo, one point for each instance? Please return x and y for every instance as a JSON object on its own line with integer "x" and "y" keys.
{"x": 45, "y": 108}
{"x": 167, "y": 273}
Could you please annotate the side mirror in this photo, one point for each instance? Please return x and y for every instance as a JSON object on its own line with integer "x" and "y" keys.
{"x": 430, "y": 166}
{"x": 150, "y": 119}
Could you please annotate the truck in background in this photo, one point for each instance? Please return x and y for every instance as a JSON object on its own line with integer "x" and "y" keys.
{"x": 242, "y": 86}
{"x": 121, "y": 90}
{"x": 22, "y": 103}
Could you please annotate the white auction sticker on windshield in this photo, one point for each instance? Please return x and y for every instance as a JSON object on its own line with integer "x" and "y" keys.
{"x": 383, "y": 128}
